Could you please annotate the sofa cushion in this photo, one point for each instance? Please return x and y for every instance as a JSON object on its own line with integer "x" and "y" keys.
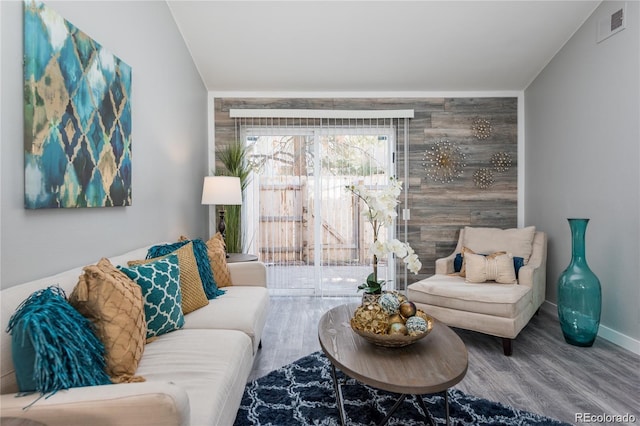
{"x": 113, "y": 303}
{"x": 495, "y": 267}
{"x": 218, "y": 259}
{"x": 517, "y": 241}
{"x": 210, "y": 365}
{"x": 240, "y": 308}
{"x": 160, "y": 283}
{"x": 505, "y": 300}
{"x": 193, "y": 295}
{"x": 53, "y": 346}
{"x": 202, "y": 259}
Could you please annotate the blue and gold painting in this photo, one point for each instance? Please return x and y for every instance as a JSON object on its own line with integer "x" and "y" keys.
{"x": 77, "y": 116}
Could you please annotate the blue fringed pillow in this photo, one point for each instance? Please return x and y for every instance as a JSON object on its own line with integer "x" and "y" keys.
{"x": 54, "y": 347}
{"x": 160, "y": 283}
{"x": 202, "y": 260}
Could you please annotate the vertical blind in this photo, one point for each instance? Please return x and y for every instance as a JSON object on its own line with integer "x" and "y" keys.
{"x": 297, "y": 216}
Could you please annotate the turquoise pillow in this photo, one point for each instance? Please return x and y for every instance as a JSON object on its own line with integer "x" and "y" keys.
{"x": 160, "y": 283}
{"x": 202, "y": 259}
{"x": 53, "y": 346}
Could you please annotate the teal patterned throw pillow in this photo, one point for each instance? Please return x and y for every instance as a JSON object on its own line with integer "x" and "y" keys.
{"x": 160, "y": 283}
{"x": 202, "y": 259}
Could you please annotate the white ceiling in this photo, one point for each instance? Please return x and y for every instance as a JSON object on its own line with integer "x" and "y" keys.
{"x": 327, "y": 46}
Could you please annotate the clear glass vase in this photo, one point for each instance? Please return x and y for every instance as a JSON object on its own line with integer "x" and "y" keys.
{"x": 579, "y": 292}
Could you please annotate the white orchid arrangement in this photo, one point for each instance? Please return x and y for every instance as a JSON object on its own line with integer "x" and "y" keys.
{"x": 381, "y": 212}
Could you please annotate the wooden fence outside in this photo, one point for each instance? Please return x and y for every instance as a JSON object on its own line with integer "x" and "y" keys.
{"x": 287, "y": 222}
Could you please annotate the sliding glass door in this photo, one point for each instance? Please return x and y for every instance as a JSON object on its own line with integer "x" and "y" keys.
{"x": 301, "y": 221}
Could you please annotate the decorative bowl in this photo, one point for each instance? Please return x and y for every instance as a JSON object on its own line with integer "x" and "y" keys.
{"x": 391, "y": 340}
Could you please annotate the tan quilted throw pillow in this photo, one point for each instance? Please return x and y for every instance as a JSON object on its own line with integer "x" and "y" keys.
{"x": 113, "y": 303}
{"x": 466, "y": 251}
{"x": 218, "y": 259}
{"x": 463, "y": 269}
{"x": 193, "y": 295}
{"x": 496, "y": 267}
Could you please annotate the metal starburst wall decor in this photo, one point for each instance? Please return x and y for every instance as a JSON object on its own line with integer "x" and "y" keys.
{"x": 481, "y": 128}
{"x": 444, "y": 161}
{"x": 483, "y": 178}
{"x": 501, "y": 161}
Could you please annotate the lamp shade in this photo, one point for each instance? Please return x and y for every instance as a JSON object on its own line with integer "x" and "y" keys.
{"x": 221, "y": 190}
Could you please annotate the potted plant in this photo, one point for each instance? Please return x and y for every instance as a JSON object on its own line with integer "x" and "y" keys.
{"x": 234, "y": 158}
{"x": 380, "y": 212}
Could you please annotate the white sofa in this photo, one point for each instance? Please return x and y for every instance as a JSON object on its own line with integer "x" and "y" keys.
{"x": 194, "y": 376}
{"x": 501, "y": 310}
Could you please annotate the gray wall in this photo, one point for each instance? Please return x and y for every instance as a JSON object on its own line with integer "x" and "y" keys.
{"x": 582, "y": 153}
{"x": 169, "y": 142}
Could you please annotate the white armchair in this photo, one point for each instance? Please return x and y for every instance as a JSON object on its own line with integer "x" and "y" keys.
{"x": 501, "y": 310}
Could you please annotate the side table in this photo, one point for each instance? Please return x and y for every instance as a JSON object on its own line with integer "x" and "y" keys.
{"x": 241, "y": 257}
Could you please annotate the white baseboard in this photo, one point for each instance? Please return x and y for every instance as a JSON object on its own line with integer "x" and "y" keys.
{"x": 609, "y": 334}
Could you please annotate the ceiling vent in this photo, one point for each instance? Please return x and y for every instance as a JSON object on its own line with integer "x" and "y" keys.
{"x": 612, "y": 23}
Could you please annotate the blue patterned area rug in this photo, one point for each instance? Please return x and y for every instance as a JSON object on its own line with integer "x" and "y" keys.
{"x": 302, "y": 393}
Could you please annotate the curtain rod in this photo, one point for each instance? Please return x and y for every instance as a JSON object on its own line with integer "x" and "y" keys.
{"x": 320, "y": 113}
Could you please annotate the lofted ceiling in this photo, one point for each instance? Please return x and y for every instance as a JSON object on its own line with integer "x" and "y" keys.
{"x": 398, "y": 46}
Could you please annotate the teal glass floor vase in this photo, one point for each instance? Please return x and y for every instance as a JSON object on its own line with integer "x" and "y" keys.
{"x": 579, "y": 293}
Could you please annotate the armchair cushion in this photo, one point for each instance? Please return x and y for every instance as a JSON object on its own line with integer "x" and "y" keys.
{"x": 517, "y": 241}
{"x": 453, "y": 293}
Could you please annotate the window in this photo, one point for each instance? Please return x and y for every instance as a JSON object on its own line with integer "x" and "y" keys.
{"x": 297, "y": 215}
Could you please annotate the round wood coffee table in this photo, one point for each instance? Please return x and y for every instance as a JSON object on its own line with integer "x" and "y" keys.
{"x": 431, "y": 365}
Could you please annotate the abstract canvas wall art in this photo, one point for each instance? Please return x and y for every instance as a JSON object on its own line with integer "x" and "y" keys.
{"x": 77, "y": 116}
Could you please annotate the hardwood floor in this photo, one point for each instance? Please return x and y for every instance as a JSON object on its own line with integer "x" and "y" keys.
{"x": 545, "y": 375}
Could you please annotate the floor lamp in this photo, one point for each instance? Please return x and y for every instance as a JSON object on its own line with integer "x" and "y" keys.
{"x": 222, "y": 191}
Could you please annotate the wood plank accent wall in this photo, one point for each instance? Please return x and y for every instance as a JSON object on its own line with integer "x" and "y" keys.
{"x": 438, "y": 210}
